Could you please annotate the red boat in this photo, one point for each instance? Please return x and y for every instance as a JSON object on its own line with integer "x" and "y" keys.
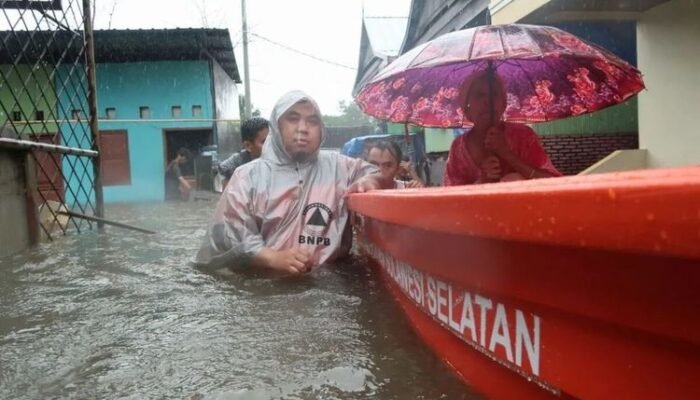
{"x": 580, "y": 287}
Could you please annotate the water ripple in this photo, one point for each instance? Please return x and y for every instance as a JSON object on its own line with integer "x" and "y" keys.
{"x": 123, "y": 315}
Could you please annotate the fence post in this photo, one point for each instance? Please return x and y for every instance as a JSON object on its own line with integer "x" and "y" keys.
{"x": 92, "y": 104}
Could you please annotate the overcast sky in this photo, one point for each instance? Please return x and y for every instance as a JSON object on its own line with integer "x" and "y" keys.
{"x": 328, "y": 29}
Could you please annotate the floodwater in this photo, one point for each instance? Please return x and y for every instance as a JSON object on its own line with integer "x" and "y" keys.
{"x": 122, "y": 315}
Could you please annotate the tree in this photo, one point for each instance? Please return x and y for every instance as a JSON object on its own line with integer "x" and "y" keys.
{"x": 350, "y": 115}
{"x": 255, "y": 112}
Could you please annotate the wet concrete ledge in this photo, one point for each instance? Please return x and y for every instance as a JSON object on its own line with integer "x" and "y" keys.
{"x": 16, "y": 232}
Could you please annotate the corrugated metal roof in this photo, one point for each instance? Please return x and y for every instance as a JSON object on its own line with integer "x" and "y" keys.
{"x": 386, "y": 34}
{"x": 125, "y": 46}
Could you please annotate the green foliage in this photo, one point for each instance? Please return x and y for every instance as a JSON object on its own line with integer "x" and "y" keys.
{"x": 350, "y": 115}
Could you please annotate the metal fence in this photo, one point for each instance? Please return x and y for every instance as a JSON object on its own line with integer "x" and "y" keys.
{"x": 48, "y": 105}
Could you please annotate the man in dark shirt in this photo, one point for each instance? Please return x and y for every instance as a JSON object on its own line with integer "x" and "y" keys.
{"x": 176, "y": 186}
{"x": 253, "y": 134}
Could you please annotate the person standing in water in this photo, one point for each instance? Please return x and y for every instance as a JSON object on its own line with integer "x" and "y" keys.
{"x": 287, "y": 211}
{"x": 176, "y": 186}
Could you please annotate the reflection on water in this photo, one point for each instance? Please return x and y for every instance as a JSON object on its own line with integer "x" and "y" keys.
{"x": 123, "y": 315}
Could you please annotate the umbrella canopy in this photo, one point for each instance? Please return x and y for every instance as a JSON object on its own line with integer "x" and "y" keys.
{"x": 548, "y": 74}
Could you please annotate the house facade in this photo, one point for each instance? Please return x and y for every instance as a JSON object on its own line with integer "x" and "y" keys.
{"x": 157, "y": 91}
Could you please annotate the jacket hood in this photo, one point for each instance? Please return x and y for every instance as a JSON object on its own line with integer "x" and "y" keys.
{"x": 273, "y": 149}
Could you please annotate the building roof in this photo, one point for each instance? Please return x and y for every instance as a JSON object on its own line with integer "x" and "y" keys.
{"x": 429, "y": 19}
{"x": 379, "y": 45}
{"x": 577, "y": 10}
{"x": 385, "y": 34}
{"x": 125, "y": 46}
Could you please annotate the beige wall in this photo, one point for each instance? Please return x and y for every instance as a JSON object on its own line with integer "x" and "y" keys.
{"x": 668, "y": 45}
{"x": 619, "y": 160}
{"x": 512, "y": 11}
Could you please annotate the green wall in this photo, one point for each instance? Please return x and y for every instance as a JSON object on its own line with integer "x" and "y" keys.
{"x": 28, "y": 90}
{"x": 621, "y": 119}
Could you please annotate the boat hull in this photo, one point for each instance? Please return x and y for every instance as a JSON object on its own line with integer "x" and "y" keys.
{"x": 550, "y": 305}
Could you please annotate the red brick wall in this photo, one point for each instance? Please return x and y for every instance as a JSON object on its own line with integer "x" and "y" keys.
{"x": 572, "y": 154}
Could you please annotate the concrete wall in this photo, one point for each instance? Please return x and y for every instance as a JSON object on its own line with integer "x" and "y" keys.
{"x": 438, "y": 140}
{"x": 15, "y": 232}
{"x": 510, "y": 11}
{"x": 228, "y": 134}
{"x": 668, "y": 46}
{"x": 619, "y": 160}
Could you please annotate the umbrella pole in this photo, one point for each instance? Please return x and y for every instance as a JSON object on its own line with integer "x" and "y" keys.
{"x": 407, "y": 137}
{"x": 491, "y": 76}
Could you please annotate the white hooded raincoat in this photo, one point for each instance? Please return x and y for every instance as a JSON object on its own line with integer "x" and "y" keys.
{"x": 278, "y": 203}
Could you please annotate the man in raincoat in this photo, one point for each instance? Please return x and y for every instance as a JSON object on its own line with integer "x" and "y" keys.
{"x": 287, "y": 210}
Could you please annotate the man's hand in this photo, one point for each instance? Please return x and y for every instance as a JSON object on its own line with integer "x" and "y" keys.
{"x": 293, "y": 261}
{"x": 414, "y": 184}
{"x": 369, "y": 182}
{"x": 406, "y": 169}
{"x": 185, "y": 185}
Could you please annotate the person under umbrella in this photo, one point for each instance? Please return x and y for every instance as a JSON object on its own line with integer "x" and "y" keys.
{"x": 491, "y": 80}
{"x": 493, "y": 151}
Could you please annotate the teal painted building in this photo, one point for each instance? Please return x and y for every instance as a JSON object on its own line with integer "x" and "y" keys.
{"x": 125, "y": 90}
{"x": 157, "y": 91}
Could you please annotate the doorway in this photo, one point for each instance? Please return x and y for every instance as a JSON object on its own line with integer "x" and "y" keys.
{"x": 191, "y": 139}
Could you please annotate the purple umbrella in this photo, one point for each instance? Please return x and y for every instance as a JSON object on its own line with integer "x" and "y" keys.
{"x": 548, "y": 74}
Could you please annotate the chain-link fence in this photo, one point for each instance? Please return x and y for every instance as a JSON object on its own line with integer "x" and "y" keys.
{"x": 48, "y": 106}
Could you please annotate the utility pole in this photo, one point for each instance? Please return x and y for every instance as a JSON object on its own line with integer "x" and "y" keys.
{"x": 246, "y": 76}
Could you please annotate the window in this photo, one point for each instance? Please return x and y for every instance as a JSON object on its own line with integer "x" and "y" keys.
{"x": 38, "y": 115}
{"x": 176, "y": 111}
{"x": 16, "y": 115}
{"x": 144, "y": 112}
{"x": 197, "y": 111}
{"x": 111, "y": 113}
{"x": 114, "y": 154}
{"x": 76, "y": 115}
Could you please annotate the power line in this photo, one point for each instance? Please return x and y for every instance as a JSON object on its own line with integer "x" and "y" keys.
{"x": 302, "y": 52}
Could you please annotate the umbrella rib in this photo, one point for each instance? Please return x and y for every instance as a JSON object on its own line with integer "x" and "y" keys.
{"x": 545, "y": 61}
{"x": 477, "y": 30}
{"x": 601, "y": 58}
{"x": 532, "y": 83}
{"x": 535, "y": 42}
{"x": 503, "y": 45}
{"x": 558, "y": 72}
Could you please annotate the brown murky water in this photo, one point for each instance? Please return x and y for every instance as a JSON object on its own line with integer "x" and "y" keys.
{"x": 123, "y": 315}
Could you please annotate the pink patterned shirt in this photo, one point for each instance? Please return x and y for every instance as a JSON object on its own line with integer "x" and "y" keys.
{"x": 461, "y": 169}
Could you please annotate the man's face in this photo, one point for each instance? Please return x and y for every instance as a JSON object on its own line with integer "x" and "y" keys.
{"x": 300, "y": 128}
{"x": 388, "y": 165}
{"x": 255, "y": 147}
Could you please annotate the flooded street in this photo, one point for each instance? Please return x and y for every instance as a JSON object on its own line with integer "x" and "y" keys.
{"x": 123, "y": 315}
